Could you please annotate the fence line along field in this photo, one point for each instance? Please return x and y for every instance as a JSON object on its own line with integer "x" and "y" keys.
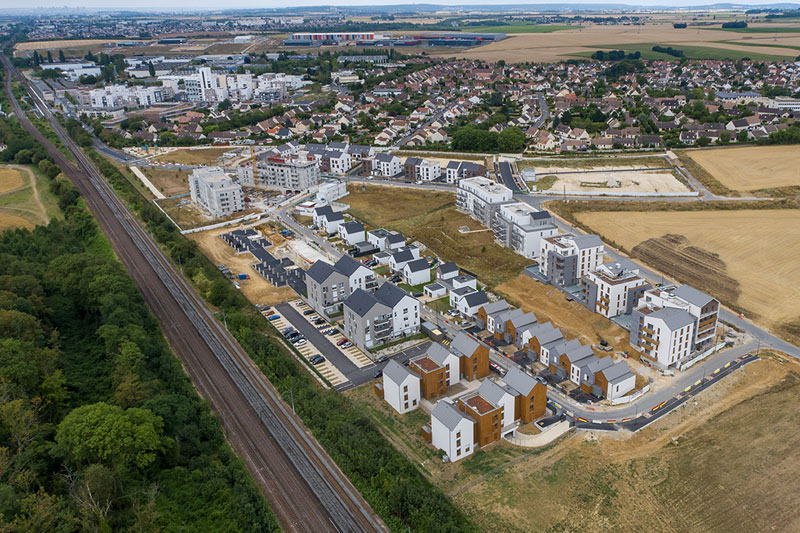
{"x": 749, "y": 259}
{"x": 750, "y": 168}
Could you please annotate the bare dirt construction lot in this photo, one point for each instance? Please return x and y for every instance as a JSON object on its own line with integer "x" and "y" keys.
{"x": 169, "y": 182}
{"x": 204, "y": 156}
{"x": 719, "y": 463}
{"x": 25, "y": 200}
{"x": 256, "y": 289}
{"x": 750, "y": 168}
{"x": 619, "y": 179}
{"x": 565, "y": 44}
{"x": 431, "y": 218}
{"x": 550, "y": 305}
{"x": 749, "y": 259}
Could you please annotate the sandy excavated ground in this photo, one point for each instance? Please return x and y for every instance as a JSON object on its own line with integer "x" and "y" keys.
{"x": 650, "y": 181}
{"x": 257, "y": 289}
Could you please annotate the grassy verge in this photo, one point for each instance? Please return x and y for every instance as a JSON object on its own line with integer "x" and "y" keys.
{"x": 431, "y": 218}
{"x": 594, "y": 161}
{"x": 442, "y": 305}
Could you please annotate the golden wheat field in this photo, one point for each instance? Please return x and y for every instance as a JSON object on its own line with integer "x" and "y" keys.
{"x": 749, "y": 168}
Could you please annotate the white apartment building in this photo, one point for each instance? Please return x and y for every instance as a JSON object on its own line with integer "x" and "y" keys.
{"x": 703, "y": 308}
{"x": 481, "y": 198}
{"x": 294, "y": 172}
{"x": 612, "y": 289}
{"x": 400, "y": 387}
{"x": 122, "y": 96}
{"x": 564, "y": 259}
{"x": 386, "y": 165}
{"x": 217, "y": 193}
{"x": 663, "y": 334}
{"x": 521, "y": 227}
{"x": 452, "y": 431}
{"x": 208, "y": 86}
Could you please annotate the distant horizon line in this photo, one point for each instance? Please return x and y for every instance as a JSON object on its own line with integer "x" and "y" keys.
{"x": 382, "y": 5}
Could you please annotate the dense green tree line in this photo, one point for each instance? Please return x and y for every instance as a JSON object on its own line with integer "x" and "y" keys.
{"x": 100, "y": 429}
{"x": 394, "y": 486}
{"x": 473, "y": 138}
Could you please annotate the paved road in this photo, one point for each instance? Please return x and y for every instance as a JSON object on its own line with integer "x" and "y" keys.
{"x": 643, "y": 419}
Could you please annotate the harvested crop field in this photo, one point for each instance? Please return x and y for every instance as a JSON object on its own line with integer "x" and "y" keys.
{"x": 715, "y": 465}
{"x": 750, "y": 168}
{"x": 615, "y": 180}
{"x": 565, "y": 44}
{"x": 749, "y": 259}
{"x": 10, "y": 179}
{"x": 432, "y": 219}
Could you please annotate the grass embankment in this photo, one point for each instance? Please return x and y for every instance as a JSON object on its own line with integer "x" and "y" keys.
{"x": 432, "y": 219}
{"x": 594, "y": 161}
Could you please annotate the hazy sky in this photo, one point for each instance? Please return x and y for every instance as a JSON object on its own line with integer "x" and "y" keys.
{"x": 237, "y": 4}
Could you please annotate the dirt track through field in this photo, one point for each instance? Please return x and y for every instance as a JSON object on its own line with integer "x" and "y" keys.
{"x": 17, "y": 215}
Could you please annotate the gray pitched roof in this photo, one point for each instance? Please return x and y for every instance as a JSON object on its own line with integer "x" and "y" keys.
{"x": 352, "y": 227}
{"x": 393, "y": 238}
{"x": 347, "y": 265}
{"x": 418, "y": 265}
{"x": 475, "y": 298}
{"x": 390, "y": 294}
{"x": 448, "y": 267}
{"x": 617, "y": 372}
{"x": 519, "y": 380}
{"x": 384, "y": 157}
{"x": 692, "y": 295}
{"x": 403, "y": 257}
{"x": 325, "y": 210}
{"x": 523, "y": 320}
{"x": 587, "y": 241}
{"x": 320, "y": 271}
{"x": 379, "y": 232}
{"x": 547, "y": 333}
{"x": 599, "y": 364}
{"x": 396, "y": 372}
{"x": 463, "y": 344}
{"x": 449, "y": 415}
{"x": 565, "y": 346}
{"x": 491, "y": 392}
{"x": 494, "y": 307}
{"x": 673, "y": 318}
{"x": 582, "y": 352}
{"x": 360, "y": 302}
{"x": 437, "y": 353}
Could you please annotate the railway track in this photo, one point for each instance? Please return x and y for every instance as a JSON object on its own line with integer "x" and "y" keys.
{"x": 306, "y": 489}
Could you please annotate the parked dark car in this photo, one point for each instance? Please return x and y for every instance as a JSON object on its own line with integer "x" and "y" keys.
{"x": 308, "y": 312}
{"x": 377, "y": 374}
